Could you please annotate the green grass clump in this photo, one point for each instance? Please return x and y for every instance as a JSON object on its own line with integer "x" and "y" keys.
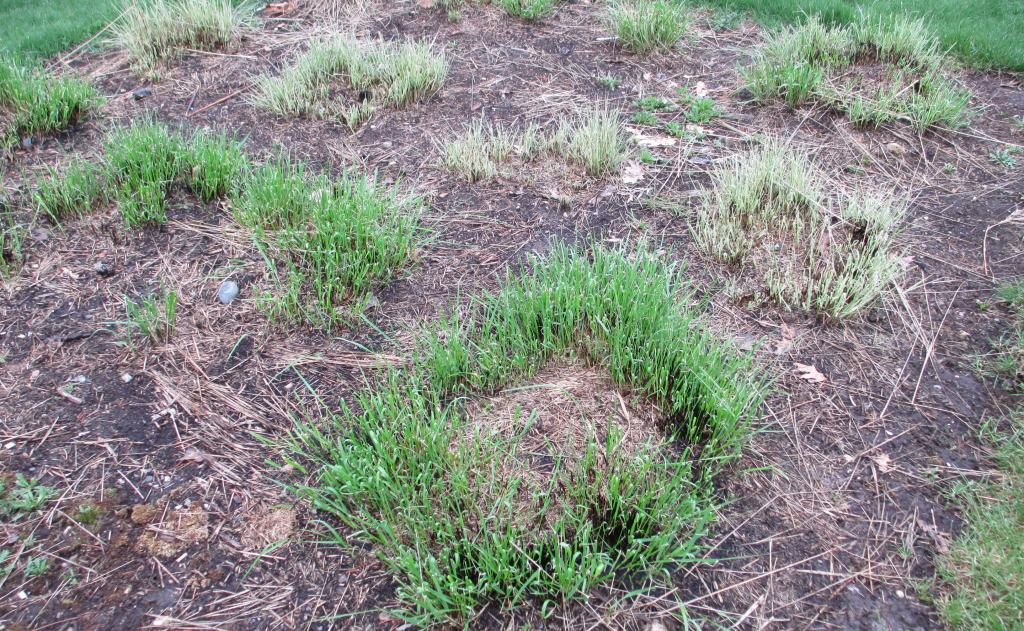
{"x": 984, "y": 34}
{"x": 649, "y": 25}
{"x": 528, "y": 9}
{"x": 333, "y": 239}
{"x": 153, "y": 30}
{"x": 824, "y": 63}
{"x": 396, "y": 74}
{"x": 213, "y": 164}
{"x": 70, "y": 190}
{"x": 38, "y": 103}
{"x": 819, "y": 252}
{"x": 980, "y": 579}
{"x": 592, "y": 139}
{"x": 144, "y": 161}
{"x": 458, "y": 512}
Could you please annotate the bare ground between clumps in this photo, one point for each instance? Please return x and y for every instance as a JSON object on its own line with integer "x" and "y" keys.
{"x": 834, "y": 513}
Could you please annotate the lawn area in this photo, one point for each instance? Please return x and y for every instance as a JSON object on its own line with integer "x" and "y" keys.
{"x": 985, "y": 33}
{"x": 44, "y": 27}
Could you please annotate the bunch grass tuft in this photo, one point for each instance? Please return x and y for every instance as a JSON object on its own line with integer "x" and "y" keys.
{"x": 396, "y": 74}
{"x": 153, "y": 30}
{"x": 333, "y": 240}
{"x": 829, "y": 254}
{"x": 649, "y": 25}
{"x": 814, "y": 61}
{"x": 405, "y": 472}
{"x": 39, "y": 103}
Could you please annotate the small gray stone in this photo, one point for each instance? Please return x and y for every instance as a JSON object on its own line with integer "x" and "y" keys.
{"x": 141, "y": 93}
{"x": 227, "y": 292}
{"x": 149, "y": 478}
{"x": 26, "y": 142}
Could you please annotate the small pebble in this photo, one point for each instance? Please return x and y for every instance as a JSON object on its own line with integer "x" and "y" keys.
{"x": 141, "y": 93}
{"x": 900, "y": 594}
{"x": 227, "y": 292}
{"x": 81, "y": 379}
{"x": 26, "y": 142}
{"x": 149, "y": 478}
{"x": 188, "y": 502}
{"x": 126, "y": 378}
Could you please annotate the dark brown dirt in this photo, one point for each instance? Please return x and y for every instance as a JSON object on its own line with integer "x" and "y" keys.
{"x": 836, "y": 511}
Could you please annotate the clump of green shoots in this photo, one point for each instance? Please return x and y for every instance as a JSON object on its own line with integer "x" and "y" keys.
{"x": 395, "y": 74}
{"x": 591, "y": 138}
{"x": 446, "y": 506}
{"x": 814, "y": 61}
{"x": 144, "y": 160}
{"x": 153, "y": 30}
{"x": 154, "y": 315}
{"x": 36, "y": 103}
{"x": 829, "y": 254}
{"x": 333, "y": 239}
{"x": 528, "y": 9}
{"x": 649, "y": 25}
{"x": 71, "y": 189}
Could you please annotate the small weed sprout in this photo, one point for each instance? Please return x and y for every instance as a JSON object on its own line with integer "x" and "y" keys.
{"x": 70, "y": 190}
{"x": 25, "y": 498}
{"x": 1003, "y": 157}
{"x": 36, "y": 566}
{"x": 819, "y": 253}
{"x": 153, "y": 30}
{"x": 649, "y": 25}
{"x": 612, "y": 83}
{"x": 643, "y": 117}
{"x": 528, "y": 9}
{"x": 701, "y": 109}
{"x": 88, "y": 514}
{"x": 154, "y": 315}
{"x": 653, "y": 103}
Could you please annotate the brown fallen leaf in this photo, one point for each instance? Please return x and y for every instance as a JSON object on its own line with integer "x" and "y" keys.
{"x": 281, "y": 8}
{"x": 883, "y": 462}
{"x": 810, "y": 373}
{"x": 788, "y": 335}
{"x": 194, "y": 455}
{"x": 632, "y": 172}
{"x": 700, "y": 89}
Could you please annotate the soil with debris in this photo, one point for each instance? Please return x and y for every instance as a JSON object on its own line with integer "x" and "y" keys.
{"x": 835, "y": 513}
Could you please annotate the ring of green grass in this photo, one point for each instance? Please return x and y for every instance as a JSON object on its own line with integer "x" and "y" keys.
{"x": 404, "y": 472}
